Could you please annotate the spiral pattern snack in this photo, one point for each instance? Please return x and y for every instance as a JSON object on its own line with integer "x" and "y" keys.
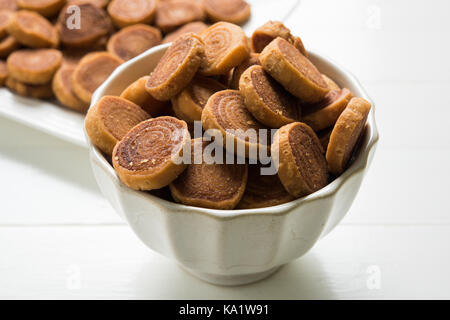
{"x": 195, "y": 27}
{"x": 94, "y": 25}
{"x": 271, "y": 30}
{"x": 91, "y": 72}
{"x": 175, "y": 13}
{"x": 325, "y": 113}
{"x": 176, "y": 68}
{"x": 132, "y": 41}
{"x": 302, "y": 167}
{"x": 47, "y": 8}
{"x": 234, "y": 11}
{"x": 267, "y": 101}
{"x": 148, "y": 157}
{"x": 33, "y": 30}
{"x": 63, "y": 89}
{"x": 215, "y": 186}
{"x": 34, "y": 66}
{"x": 226, "y": 113}
{"x": 345, "y": 134}
{"x": 109, "y": 120}
{"x": 294, "y": 71}
{"x": 237, "y": 72}
{"x": 226, "y": 47}
{"x": 188, "y": 104}
{"x": 37, "y": 91}
{"x": 263, "y": 190}
{"x": 125, "y": 13}
{"x": 136, "y": 93}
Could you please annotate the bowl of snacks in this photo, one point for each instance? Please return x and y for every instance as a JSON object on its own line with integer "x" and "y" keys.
{"x": 231, "y": 155}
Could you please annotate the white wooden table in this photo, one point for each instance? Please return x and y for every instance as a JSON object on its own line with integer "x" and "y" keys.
{"x": 59, "y": 238}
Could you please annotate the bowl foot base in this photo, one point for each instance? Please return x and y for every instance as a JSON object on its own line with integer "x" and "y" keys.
{"x": 234, "y": 280}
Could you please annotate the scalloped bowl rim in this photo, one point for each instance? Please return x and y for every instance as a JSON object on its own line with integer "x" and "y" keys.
{"x": 360, "y": 163}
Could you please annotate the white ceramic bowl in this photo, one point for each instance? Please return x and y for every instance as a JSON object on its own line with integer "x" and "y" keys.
{"x": 239, "y": 246}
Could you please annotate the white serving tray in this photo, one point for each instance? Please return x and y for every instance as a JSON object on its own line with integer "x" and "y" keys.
{"x": 49, "y": 117}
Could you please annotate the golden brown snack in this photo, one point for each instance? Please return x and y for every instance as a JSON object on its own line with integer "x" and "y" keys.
{"x": 215, "y": 186}
{"x": 263, "y": 190}
{"x": 267, "y": 101}
{"x": 188, "y": 104}
{"x": 129, "y": 12}
{"x": 95, "y": 24}
{"x": 47, "y": 8}
{"x": 148, "y": 157}
{"x": 234, "y": 11}
{"x": 195, "y": 27}
{"x": 34, "y": 66}
{"x": 136, "y": 93}
{"x": 237, "y": 72}
{"x": 330, "y": 83}
{"x": 8, "y": 45}
{"x": 5, "y": 17}
{"x": 176, "y": 68}
{"x": 175, "y": 13}
{"x": 271, "y": 30}
{"x": 8, "y": 5}
{"x": 345, "y": 134}
{"x": 38, "y": 91}
{"x": 91, "y": 72}
{"x": 324, "y": 137}
{"x": 33, "y": 30}
{"x": 302, "y": 167}
{"x": 109, "y": 120}
{"x": 226, "y": 113}
{"x": 294, "y": 71}
{"x": 226, "y": 47}
{"x": 132, "y": 41}
{"x": 3, "y": 73}
{"x": 98, "y": 3}
{"x": 63, "y": 89}
{"x": 325, "y": 113}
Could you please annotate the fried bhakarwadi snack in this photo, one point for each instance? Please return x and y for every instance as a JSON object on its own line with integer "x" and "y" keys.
{"x": 34, "y": 66}
{"x": 188, "y": 104}
{"x": 234, "y": 11}
{"x": 302, "y": 167}
{"x": 32, "y": 30}
{"x": 95, "y": 24}
{"x": 271, "y": 30}
{"x": 109, "y": 120}
{"x": 345, "y": 134}
{"x": 148, "y": 157}
{"x": 176, "y": 68}
{"x": 175, "y": 13}
{"x": 226, "y": 47}
{"x": 129, "y": 12}
{"x": 267, "y": 101}
{"x": 137, "y": 93}
{"x": 91, "y": 72}
{"x": 263, "y": 190}
{"x": 294, "y": 71}
{"x": 324, "y": 114}
{"x": 63, "y": 89}
{"x": 226, "y": 111}
{"x": 216, "y": 186}
{"x": 47, "y": 8}
{"x": 133, "y": 40}
{"x": 38, "y": 91}
{"x": 195, "y": 27}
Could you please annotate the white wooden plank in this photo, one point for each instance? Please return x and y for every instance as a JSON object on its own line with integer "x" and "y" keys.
{"x": 109, "y": 262}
